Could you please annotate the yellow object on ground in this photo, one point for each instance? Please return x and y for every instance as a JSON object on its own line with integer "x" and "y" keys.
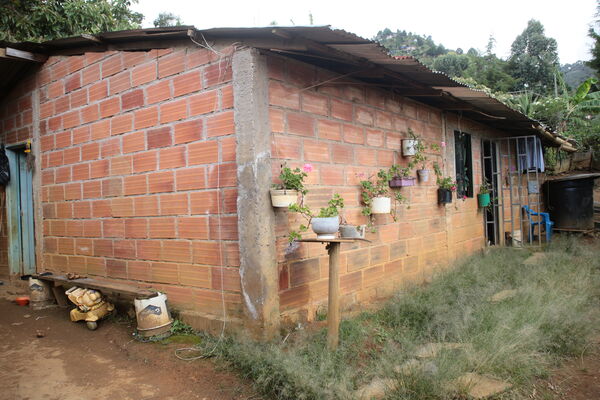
{"x": 91, "y": 305}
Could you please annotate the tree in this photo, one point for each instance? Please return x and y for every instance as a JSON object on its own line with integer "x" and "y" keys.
{"x": 595, "y": 50}
{"x": 452, "y": 64}
{"x": 533, "y": 59}
{"x": 40, "y": 20}
{"x": 491, "y": 72}
{"x": 165, "y": 19}
{"x": 408, "y": 43}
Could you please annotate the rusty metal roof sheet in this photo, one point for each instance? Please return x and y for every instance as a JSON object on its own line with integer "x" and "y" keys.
{"x": 339, "y": 50}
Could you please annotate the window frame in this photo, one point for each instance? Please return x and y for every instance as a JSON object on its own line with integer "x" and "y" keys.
{"x": 463, "y": 163}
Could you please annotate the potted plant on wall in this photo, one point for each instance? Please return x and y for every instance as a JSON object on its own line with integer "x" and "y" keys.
{"x": 483, "y": 197}
{"x": 286, "y": 193}
{"x": 409, "y": 146}
{"x": 446, "y": 185}
{"x": 400, "y": 177}
{"x": 377, "y": 198}
{"x": 375, "y": 195}
{"x": 325, "y": 224}
{"x": 421, "y": 158}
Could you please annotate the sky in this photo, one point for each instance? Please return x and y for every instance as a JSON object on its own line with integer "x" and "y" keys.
{"x": 458, "y": 23}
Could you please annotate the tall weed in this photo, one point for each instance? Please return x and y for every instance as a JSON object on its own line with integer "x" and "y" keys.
{"x": 554, "y": 311}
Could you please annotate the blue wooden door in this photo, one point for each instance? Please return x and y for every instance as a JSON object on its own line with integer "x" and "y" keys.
{"x": 19, "y": 202}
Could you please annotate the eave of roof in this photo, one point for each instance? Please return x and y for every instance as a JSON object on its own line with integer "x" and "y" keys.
{"x": 336, "y": 49}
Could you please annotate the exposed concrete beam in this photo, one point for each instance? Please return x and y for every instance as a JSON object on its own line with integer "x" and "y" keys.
{"x": 256, "y": 219}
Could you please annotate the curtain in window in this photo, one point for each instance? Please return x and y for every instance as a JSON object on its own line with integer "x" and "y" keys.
{"x": 530, "y": 154}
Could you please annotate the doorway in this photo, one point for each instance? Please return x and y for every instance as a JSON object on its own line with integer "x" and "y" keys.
{"x": 492, "y": 176}
{"x": 19, "y": 212}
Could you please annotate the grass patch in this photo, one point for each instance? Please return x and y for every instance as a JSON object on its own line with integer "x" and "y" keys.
{"x": 518, "y": 339}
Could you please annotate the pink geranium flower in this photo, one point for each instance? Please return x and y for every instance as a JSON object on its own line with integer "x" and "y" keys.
{"x": 443, "y": 144}
{"x": 307, "y": 167}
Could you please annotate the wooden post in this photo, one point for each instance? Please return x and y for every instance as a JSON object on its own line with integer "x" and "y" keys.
{"x": 333, "y": 306}
{"x": 333, "y": 303}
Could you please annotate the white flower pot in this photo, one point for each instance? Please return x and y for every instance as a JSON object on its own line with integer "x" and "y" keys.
{"x": 409, "y": 147}
{"x": 325, "y": 228}
{"x": 381, "y": 205}
{"x": 423, "y": 175}
{"x": 283, "y": 197}
{"x": 352, "y": 231}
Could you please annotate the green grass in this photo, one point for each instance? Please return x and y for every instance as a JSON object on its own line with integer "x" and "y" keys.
{"x": 519, "y": 339}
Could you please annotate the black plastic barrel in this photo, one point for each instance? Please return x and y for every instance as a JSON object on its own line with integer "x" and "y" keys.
{"x": 570, "y": 201}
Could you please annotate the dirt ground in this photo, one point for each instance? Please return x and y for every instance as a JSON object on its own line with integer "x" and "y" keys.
{"x": 576, "y": 379}
{"x": 72, "y": 363}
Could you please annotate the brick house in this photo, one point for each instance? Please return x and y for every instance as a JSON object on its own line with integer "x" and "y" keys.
{"x": 152, "y": 153}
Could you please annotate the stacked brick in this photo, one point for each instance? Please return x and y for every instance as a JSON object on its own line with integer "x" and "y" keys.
{"x": 348, "y": 131}
{"x": 138, "y": 175}
{"x": 138, "y": 171}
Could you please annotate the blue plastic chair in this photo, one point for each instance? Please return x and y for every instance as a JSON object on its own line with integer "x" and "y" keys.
{"x": 545, "y": 221}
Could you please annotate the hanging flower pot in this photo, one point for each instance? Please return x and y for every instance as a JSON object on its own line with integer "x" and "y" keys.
{"x": 283, "y": 197}
{"x": 483, "y": 199}
{"x": 348, "y": 231}
{"x": 325, "y": 228}
{"x": 381, "y": 205}
{"x": 444, "y": 196}
{"x": 423, "y": 175}
{"x": 401, "y": 181}
{"x": 409, "y": 147}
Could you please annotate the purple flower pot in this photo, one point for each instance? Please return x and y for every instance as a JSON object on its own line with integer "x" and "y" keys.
{"x": 401, "y": 181}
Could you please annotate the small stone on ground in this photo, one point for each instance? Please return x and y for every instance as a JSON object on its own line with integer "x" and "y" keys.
{"x": 376, "y": 389}
{"x": 431, "y": 350}
{"x": 534, "y": 258}
{"x": 482, "y": 387}
{"x": 503, "y": 295}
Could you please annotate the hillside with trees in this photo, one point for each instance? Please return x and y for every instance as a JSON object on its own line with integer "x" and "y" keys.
{"x": 531, "y": 80}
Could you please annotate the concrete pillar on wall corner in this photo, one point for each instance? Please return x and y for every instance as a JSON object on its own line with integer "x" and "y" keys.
{"x": 36, "y": 145}
{"x": 256, "y": 219}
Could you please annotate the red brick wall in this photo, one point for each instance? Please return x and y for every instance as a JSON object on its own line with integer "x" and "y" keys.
{"x": 138, "y": 170}
{"x": 348, "y": 132}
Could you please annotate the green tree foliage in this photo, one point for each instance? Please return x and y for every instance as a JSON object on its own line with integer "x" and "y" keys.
{"x": 452, "y": 64}
{"x": 491, "y": 72}
{"x": 408, "y": 43}
{"x": 40, "y": 20}
{"x": 165, "y": 19}
{"x": 595, "y": 50}
{"x": 533, "y": 59}
{"x": 574, "y": 115}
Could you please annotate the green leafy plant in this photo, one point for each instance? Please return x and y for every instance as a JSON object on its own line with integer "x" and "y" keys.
{"x": 397, "y": 172}
{"x": 378, "y": 186}
{"x": 293, "y": 179}
{"x": 333, "y": 209}
{"x": 485, "y": 187}
{"x": 446, "y": 183}
{"x": 420, "y": 158}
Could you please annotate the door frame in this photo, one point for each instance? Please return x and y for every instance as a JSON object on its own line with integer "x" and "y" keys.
{"x": 21, "y": 253}
{"x": 495, "y": 183}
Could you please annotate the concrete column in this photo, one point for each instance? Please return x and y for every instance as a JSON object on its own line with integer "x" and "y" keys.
{"x": 36, "y": 147}
{"x": 256, "y": 219}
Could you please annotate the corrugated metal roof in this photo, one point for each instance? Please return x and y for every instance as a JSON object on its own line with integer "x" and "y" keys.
{"x": 344, "y": 52}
